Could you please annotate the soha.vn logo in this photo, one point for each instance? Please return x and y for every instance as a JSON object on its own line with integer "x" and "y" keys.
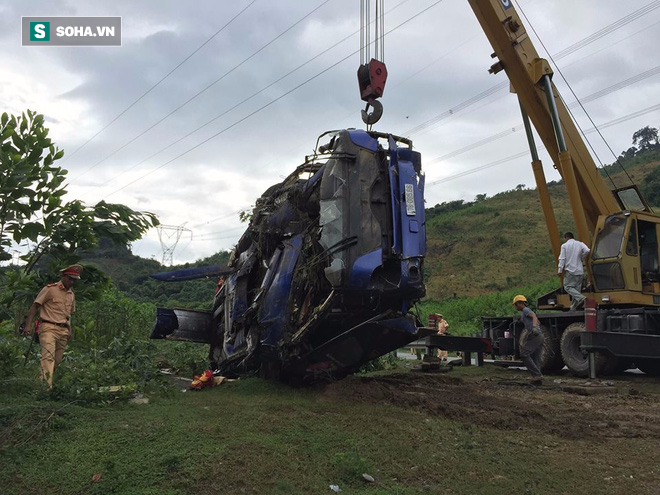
{"x": 40, "y": 31}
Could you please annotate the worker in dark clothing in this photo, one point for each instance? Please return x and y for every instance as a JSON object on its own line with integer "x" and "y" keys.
{"x": 531, "y": 340}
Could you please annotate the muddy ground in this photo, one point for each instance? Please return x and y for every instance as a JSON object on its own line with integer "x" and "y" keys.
{"x": 626, "y": 406}
{"x": 590, "y": 437}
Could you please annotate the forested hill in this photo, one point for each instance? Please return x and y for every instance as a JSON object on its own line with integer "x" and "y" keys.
{"x": 130, "y": 274}
{"x": 488, "y": 245}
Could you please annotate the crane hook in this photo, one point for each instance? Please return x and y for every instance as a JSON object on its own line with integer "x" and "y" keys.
{"x": 373, "y": 117}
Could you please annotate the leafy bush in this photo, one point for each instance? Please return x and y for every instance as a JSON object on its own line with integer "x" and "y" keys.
{"x": 651, "y": 187}
{"x": 119, "y": 370}
{"x": 110, "y": 348}
{"x": 113, "y": 316}
{"x": 11, "y": 355}
{"x": 183, "y": 358}
{"x": 93, "y": 374}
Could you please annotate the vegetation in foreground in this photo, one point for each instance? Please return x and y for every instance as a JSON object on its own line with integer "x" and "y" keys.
{"x": 255, "y": 436}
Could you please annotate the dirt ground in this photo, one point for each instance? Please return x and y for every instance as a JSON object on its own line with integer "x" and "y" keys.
{"x": 627, "y": 406}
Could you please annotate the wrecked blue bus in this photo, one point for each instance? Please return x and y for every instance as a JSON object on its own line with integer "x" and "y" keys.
{"x": 325, "y": 276}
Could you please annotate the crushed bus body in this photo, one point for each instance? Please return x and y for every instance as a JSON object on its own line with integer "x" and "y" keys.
{"x": 323, "y": 279}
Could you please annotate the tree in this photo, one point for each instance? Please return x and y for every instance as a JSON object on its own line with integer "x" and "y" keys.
{"x": 32, "y": 207}
{"x": 629, "y": 153}
{"x": 646, "y": 137}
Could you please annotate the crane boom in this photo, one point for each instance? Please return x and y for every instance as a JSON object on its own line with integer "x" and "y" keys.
{"x": 620, "y": 326}
{"x": 529, "y": 75}
{"x": 617, "y": 223}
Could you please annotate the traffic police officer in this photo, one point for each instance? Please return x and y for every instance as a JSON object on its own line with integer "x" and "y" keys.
{"x": 55, "y": 303}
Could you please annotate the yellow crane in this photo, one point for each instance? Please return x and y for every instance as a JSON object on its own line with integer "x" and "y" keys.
{"x": 623, "y": 275}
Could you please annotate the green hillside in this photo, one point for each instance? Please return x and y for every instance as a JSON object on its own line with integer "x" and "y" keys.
{"x": 130, "y": 275}
{"x": 492, "y": 245}
{"x": 500, "y": 243}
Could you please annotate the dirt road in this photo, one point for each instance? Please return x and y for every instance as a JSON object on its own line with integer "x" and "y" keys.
{"x": 604, "y": 433}
{"x": 628, "y": 408}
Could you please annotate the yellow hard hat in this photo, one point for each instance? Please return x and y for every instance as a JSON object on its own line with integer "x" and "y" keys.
{"x": 519, "y": 298}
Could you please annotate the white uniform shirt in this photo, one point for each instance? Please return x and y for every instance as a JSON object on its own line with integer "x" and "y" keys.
{"x": 571, "y": 256}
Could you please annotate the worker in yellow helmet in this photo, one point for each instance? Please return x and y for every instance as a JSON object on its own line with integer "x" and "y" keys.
{"x": 531, "y": 340}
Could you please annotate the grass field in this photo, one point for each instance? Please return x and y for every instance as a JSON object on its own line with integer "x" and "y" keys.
{"x": 464, "y": 432}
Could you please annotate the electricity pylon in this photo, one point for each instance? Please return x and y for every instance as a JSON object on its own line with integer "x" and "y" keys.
{"x": 169, "y": 236}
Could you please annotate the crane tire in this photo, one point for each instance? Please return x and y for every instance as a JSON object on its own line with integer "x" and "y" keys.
{"x": 576, "y": 360}
{"x": 551, "y": 360}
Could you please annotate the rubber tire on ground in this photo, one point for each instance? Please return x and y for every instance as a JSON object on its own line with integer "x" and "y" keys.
{"x": 576, "y": 360}
{"x": 551, "y": 360}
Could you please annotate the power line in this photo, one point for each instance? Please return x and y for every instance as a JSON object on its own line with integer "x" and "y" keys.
{"x": 461, "y": 106}
{"x": 215, "y": 219}
{"x": 245, "y": 100}
{"x": 217, "y": 238}
{"x": 436, "y": 119}
{"x": 481, "y": 167}
{"x": 608, "y": 29}
{"x": 242, "y": 227}
{"x": 567, "y": 51}
{"x": 199, "y": 93}
{"x": 611, "y": 123}
{"x": 594, "y": 96}
{"x": 511, "y": 130}
{"x": 586, "y": 140}
{"x": 157, "y": 84}
{"x": 501, "y": 161}
{"x": 621, "y": 85}
{"x": 264, "y": 106}
{"x": 477, "y": 144}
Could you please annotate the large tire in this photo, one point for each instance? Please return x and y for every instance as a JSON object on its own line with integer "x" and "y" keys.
{"x": 578, "y": 361}
{"x": 551, "y": 360}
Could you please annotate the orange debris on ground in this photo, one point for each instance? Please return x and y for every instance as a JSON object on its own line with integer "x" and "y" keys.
{"x": 206, "y": 380}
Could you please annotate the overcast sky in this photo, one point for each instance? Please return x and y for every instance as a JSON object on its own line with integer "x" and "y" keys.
{"x": 437, "y": 94}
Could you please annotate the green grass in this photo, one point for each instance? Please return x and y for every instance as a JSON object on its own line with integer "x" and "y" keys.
{"x": 254, "y": 436}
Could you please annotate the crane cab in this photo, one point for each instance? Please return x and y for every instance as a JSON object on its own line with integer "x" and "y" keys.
{"x": 625, "y": 259}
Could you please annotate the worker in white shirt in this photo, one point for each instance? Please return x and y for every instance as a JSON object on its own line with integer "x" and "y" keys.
{"x": 572, "y": 254}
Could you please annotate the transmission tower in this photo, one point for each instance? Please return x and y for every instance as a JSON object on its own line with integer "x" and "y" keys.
{"x": 169, "y": 236}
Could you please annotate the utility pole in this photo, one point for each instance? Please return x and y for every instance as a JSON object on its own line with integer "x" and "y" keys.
{"x": 169, "y": 236}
